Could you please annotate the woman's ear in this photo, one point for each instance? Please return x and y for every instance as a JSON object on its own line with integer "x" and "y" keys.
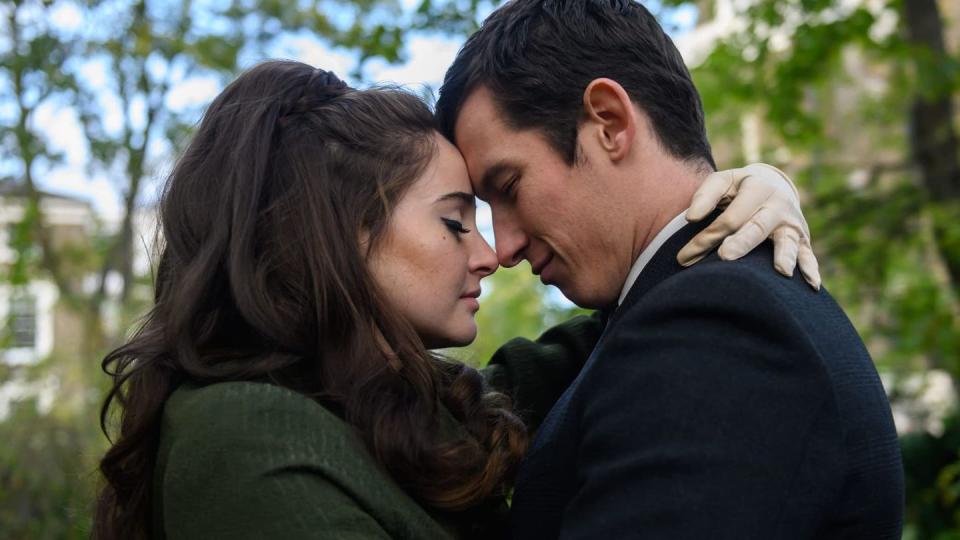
{"x": 363, "y": 240}
{"x": 610, "y": 114}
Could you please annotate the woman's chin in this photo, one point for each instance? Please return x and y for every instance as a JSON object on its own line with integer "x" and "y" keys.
{"x": 460, "y": 338}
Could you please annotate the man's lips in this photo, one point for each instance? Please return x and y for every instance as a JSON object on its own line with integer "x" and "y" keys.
{"x": 538, "y": 268}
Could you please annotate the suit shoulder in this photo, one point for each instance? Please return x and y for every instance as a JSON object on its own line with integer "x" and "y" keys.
{"x": 749, "y": 286}
{"x": 718, "y": 316}
{"x": 753, "y": 271}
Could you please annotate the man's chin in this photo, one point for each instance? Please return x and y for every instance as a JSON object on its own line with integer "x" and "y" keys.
{"x": 587, "y": 299}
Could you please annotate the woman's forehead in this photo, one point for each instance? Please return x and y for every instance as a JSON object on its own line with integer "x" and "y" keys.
{"x": 445, "y": 173}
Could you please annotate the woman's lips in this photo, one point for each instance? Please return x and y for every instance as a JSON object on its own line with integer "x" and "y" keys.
{"x": 471, "y": 299}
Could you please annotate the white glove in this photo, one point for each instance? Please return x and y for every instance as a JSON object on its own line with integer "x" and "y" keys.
{"x": 763, "y": 203}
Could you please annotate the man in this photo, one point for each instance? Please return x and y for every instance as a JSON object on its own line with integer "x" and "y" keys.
{"x": 723, "y": 400}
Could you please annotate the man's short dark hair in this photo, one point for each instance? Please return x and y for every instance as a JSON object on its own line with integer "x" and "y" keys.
{"x": 538, "y": 56}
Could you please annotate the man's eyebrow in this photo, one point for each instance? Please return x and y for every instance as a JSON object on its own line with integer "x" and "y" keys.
{"x": 466, "y": 198}
{"x": 487, "y": 182}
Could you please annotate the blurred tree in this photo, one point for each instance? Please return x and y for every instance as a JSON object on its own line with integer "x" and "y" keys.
{"x": 932, "y": 465}
{"x": 30, "y": 65}
{"x": 856, "y": 100}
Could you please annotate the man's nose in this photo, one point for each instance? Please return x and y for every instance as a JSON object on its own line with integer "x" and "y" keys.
{"x": 509, "y": 239}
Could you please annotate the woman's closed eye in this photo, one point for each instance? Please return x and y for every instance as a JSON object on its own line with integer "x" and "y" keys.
{"x": 455, "y": 226}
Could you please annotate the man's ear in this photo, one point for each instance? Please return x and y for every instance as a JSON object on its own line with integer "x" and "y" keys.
{"x": 610, "y": 112}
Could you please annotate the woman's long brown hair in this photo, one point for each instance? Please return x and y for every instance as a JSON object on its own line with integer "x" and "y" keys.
{"x": 262, "y": 277}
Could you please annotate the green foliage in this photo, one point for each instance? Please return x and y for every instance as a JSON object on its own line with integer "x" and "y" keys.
{"x": 24, "y": 246}
{"x": 932, "y": 465}
{"x": 47, "y": 473}
{"x": 31, "y": 67}
{"x": 875, "y": 240}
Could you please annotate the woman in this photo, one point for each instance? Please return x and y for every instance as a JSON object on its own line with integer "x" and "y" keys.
{"x": 319, "y": 241}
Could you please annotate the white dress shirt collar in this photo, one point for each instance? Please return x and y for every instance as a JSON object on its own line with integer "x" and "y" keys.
{"x": 671, "y": 228}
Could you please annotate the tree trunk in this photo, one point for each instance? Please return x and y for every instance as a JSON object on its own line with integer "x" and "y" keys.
{"x": 933, "y": 138}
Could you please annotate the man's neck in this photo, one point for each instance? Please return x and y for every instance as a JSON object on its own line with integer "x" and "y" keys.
{"x": 650, "y": 251}
{"x": 670, "y": 196}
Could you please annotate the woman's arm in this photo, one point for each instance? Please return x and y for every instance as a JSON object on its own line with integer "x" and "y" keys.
{"x": 535, "y": 373}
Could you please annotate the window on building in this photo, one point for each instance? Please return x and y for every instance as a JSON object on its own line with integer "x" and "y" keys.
{"x": 23, "y": 321}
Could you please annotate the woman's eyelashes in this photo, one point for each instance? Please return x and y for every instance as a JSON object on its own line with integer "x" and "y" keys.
{"x": 455, "y": 226}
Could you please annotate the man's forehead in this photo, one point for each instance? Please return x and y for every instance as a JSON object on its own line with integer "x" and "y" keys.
{"x": 479, "y": 134}
{"x": 478, "y": 103}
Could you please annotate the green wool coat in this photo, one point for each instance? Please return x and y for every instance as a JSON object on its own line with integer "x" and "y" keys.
{"x": 251, "y": 460}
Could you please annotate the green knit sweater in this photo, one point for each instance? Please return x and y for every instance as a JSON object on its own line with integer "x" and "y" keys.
{"x": 252, "y": 460}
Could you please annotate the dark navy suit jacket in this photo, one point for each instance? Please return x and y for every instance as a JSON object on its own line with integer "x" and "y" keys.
{"x": 723, "y": 401}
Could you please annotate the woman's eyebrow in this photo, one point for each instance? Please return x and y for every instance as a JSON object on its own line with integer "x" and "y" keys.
{"x": 467, "y": 198}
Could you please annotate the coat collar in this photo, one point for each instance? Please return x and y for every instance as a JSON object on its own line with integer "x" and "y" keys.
{"x": 663, "y": 265}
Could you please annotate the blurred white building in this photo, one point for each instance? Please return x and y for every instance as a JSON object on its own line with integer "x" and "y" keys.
{"x": 29, "y": 313}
